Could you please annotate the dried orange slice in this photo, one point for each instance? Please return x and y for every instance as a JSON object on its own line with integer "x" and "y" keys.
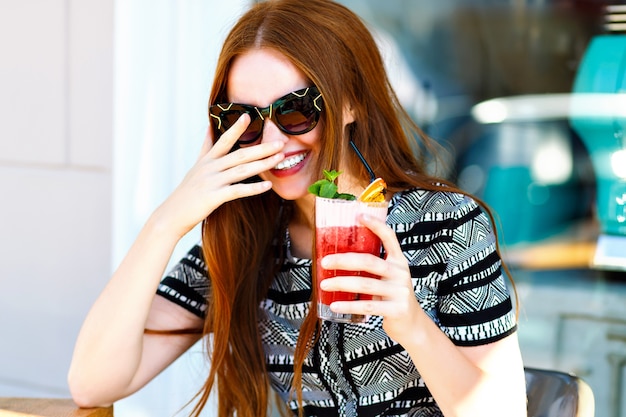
{"x": 375, "y": 192}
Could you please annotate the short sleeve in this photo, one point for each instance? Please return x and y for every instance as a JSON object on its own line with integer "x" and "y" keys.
{"x": 455, "y": 268}
{"x": 187, "y": 283}
{"x": 473, "y": 302}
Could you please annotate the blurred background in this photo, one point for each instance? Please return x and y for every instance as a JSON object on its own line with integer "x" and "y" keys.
{"x": 103, "y": 110}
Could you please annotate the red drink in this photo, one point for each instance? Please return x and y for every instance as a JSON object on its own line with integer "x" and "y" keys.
{"x": 338, "y": 231}
{"x": 340, "y": 240}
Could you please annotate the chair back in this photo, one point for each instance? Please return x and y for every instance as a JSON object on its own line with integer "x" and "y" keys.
{"x": 557, "y": 394}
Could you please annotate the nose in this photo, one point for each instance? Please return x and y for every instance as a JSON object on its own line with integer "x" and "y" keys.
{"x": 271, "y": 132}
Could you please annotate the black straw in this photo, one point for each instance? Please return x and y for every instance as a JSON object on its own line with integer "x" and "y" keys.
{"x": 365, "y": 164}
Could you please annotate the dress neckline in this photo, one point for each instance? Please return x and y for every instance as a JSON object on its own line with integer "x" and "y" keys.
{"x": 288, "y": 254}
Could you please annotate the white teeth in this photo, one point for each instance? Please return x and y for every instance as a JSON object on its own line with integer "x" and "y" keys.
{"x": 291, "y": 162}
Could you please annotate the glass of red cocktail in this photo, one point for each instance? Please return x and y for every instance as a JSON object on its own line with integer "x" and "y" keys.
{"x": 337, "y": 230}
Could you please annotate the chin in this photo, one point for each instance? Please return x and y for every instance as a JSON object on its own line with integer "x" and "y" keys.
{"x": 291, "y": 194}
{"x": 293, "y": 187}
{"x": 292, "y": 190}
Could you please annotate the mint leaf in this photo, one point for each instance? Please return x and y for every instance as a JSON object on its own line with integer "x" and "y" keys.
{"x": 345, "y": 196}
{"x": 326, "y": 188}
{"x": 331, "y": 175}
{"x": 316, "y": 186}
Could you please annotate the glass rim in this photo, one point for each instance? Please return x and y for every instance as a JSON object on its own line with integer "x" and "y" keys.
{"x": 344, "y": 201}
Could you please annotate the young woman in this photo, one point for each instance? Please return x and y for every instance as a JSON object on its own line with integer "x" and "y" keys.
{"x": 295, "y": 83}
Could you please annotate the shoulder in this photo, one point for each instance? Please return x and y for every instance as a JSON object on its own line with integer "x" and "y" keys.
{"x": 420, "y": 205}
{"x": 447, "y": 225}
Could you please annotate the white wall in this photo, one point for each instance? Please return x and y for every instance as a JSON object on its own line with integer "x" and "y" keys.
{"x": 93, "y": 135}
{"x": 165, "y": 53}
{"x": 56, "y": 84}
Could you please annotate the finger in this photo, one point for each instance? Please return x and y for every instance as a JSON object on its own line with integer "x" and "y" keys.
{"x": 245, "y": 170}
{"x": 208, "y": 142}
{"x": 357, "y": 284}
{"x": 225, "y": 143}
{"x": 242, "y": 190}
{"x": 353, "y": 261}
{"x": 251, "y": 154}
{"x": 386, "y": 299}
{"x": 388, "y": 309}
{"x": 366, "y": 308}
{"x": 385, "y": 233}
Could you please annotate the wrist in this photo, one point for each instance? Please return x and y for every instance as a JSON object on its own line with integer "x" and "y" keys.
{"x": 421, "y": 335}
{"x": 162, "y": 225}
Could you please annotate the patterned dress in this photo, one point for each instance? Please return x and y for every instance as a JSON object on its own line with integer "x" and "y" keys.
{"x": 356, "y": 369}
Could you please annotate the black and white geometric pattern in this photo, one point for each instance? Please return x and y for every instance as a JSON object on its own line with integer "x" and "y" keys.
{"x": 356, "y": 369}
{"x": 187, "y": 283}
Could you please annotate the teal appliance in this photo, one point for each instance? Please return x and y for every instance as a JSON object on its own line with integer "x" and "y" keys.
{"x": 598, "y": 116}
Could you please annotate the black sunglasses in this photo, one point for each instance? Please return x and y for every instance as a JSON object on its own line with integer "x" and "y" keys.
{"x": 295, "y": 114}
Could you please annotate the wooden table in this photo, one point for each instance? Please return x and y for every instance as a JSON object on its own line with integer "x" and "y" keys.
{"x": 48, "y": 407}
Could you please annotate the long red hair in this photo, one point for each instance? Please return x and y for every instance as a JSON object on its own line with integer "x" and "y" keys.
{"x": 332, "y": 47}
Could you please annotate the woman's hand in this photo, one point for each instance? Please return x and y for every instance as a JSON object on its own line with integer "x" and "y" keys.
{"x": 394, "y": 296}
{"x": 215, "y": 177}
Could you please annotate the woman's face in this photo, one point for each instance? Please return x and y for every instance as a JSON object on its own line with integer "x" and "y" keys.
{"x": 260, "y": 77}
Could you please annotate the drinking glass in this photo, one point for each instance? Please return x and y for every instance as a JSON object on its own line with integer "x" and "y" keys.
{"x": 337, "y": 230}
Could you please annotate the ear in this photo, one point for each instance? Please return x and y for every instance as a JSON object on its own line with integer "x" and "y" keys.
{"x": 348, "y": 115}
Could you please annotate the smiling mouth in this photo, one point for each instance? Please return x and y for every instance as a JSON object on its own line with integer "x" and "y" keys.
{"x": 291, "y": 162}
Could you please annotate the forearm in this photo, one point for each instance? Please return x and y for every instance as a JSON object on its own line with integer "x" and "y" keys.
{"x": 109, "y": 347}
{"x": 467, "y": 381}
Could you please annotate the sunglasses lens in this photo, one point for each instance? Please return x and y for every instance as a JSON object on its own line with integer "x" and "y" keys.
{"x": 252, "y": 133}
{"x": 298, "y": 115}
{"x": 230, "y": 116}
